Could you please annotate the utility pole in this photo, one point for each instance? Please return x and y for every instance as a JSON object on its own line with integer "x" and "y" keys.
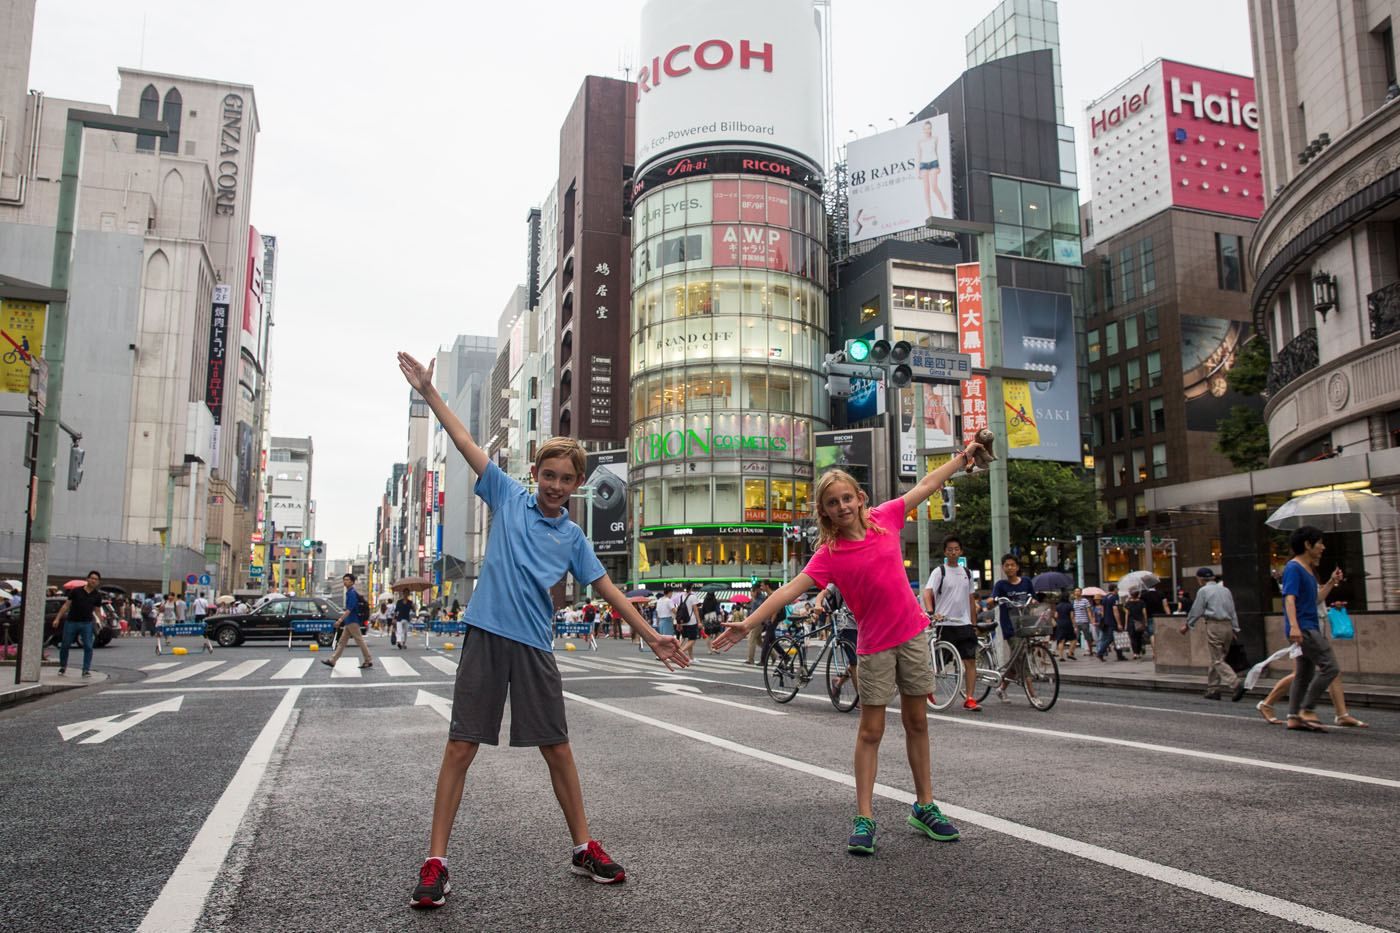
{"x": 920, "y": 461}
{"x": 996, "y": 398}
{"x": 55, "y": 353}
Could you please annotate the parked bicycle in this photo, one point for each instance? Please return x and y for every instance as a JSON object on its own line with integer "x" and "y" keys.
{"x": 785, "y": 667}
{"x": 1031, "y": 662}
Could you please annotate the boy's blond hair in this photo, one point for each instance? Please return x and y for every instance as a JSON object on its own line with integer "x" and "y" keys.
{"x": 557, "y": 447}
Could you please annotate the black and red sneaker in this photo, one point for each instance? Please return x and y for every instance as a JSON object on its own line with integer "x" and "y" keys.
{"x": 433, "y": 886}
{"x": 594, "y": 863}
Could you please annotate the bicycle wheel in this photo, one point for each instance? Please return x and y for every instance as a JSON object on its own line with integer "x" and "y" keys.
{"x": 947, "y": 675}
{"x": 780, "y": 669}
{"x": 1042, "y": 680}
{"x": 840, "y": 678}
{"x": 985, "y": 661}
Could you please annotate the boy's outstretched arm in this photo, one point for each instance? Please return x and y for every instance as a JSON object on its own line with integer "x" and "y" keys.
{"x": 421, "y": 379}
{"x": 930, "y": 483}
{"x": 667, "y": 648}
{"x": 734, "y": 632}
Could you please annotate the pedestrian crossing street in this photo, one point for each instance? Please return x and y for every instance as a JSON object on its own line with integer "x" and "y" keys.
{"x": 398, "y": 668}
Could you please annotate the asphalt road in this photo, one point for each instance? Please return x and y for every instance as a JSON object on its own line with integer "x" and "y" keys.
{"x": 216, "y": 793}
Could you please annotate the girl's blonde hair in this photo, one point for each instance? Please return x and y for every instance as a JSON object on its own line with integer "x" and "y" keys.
{"x": 828, "y": 533}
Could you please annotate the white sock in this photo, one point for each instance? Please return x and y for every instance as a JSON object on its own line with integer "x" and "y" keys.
{"x": 439, "y": 859}
{"x": 578, "y": 849}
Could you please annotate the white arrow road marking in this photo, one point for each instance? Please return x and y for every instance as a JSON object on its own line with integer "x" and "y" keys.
{"x": 686, "y": 690}
{"x": 441, "y": 705}
{"x": 107, "y": 727}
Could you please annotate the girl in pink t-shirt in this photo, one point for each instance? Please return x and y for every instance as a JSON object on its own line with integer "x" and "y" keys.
{"x": 860, "y": 551}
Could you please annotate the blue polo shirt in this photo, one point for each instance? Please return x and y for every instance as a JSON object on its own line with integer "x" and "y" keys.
{"x": 1299, "y": 582}
{"x": 526, "y": 554}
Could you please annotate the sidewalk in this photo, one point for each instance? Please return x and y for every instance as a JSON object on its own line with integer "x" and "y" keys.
{"x": 1142, "y": 676}
{"x": 49, "y": 682}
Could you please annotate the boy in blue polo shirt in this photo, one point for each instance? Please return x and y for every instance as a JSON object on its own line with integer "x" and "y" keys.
{"x": 508, "y": 648}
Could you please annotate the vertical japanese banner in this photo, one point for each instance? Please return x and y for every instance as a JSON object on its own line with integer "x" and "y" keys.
{"x": 218, "y": 353}
{"x": 21, "y": 333}
{"x": 971, "y": 340}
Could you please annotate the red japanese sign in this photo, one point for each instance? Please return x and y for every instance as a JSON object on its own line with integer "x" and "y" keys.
{"x": 972, "y": 341}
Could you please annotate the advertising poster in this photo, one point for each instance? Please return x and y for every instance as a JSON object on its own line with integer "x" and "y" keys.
{"x": 866, "y": 400}
{"x": 938, "y": 423}
{"x": 899, "y": 179}
{"x": 607, "y": 476}
{"x": 1038, "y": 333}
{"x": 852, "y": 451}
{"x": 971, "y": 331}
{"x": 1209, "y": 347}
{"x": 245, "y": 465}
{"x": 1021, "y": 430}
{"x": 21, "y": 331}
{"x": 751, "y": 246}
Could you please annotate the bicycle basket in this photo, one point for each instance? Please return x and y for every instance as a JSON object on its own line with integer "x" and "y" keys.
{"x": 1033, "y": 620}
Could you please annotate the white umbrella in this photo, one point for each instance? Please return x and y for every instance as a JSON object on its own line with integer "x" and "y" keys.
{"x": 1138, "y": 580}
{"x": 1335, "y": 510}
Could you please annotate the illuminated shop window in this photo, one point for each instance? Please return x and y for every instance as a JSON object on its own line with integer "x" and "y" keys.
{"x": 755, "y": 500}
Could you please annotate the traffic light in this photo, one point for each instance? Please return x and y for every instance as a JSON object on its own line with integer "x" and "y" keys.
{"x": 307, "y": 544}
{"x": 950, "y": 505}
{"x": 858, "y": 351}
{"x": 75, "y": 466}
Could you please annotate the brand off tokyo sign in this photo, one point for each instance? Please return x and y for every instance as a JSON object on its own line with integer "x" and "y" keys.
{"x": 1174, "y": 135}
{"x": 729, "y": 71}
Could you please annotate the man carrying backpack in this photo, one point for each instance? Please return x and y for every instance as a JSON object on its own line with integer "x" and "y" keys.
{"x": 949, "y": 593}
{"x": 355, "y": 614}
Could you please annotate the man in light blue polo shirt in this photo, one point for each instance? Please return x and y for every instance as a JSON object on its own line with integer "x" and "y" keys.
{"x": 507, "y": 650}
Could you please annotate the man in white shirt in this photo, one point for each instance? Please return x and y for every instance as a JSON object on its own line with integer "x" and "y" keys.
{"x": 949, "y": 593}
{"x": 179, "y": 609}
{"x": 690, "y": 627}
{"x": 201, "y": 608}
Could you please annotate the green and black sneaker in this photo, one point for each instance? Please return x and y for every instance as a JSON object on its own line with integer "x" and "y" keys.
{"x": 929, "y": 819}
{"x": 862, "y": 841}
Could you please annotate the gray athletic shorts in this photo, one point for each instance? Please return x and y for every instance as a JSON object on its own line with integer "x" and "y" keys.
{"x": 490, "y": 667}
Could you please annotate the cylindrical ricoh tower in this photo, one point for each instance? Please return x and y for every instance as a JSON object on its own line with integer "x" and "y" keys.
{"x": 729, "y": 301}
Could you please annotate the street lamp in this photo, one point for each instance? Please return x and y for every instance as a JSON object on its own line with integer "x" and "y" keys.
{"x": 55, "y": 352}
{"x": 1324, "y": 293}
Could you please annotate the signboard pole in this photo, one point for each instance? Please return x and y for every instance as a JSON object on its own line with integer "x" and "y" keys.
{"x": 996, "y": 401}
{"x": 922, "y": 511}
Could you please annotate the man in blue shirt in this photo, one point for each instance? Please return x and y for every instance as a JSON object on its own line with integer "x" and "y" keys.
{"x": 1316, "y": 665}
{"x": 508, "y": 646}
{"x": 349, "y": 624}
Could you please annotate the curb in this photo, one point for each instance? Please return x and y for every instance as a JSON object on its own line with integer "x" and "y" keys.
{"x": 32, "y": 691}
{"x": 1357, "y": 695}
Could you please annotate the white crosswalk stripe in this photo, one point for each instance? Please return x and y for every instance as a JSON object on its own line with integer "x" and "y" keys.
{"x": 184, "y": 673}
{"x": 294, "y": 669}
{"x": 447, "y": 666}
{"x": 347, "y": 667}
{"x": 397, "y": 667}
{"x": 566, "y": 668}
{"x": 160, "y": 665}
{"x": 239, "y": 671}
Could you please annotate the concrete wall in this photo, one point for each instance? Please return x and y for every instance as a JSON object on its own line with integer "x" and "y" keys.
{"x": 97, "y": 383}
{"x": 1372, "y": 657}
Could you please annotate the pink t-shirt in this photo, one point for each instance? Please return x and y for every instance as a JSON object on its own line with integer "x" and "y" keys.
{"x": 870, "y": 575}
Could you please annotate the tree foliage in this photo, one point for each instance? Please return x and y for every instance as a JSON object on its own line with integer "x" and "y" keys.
{"x": 1047, "y": 500}
{"x": 1243, "y": 437}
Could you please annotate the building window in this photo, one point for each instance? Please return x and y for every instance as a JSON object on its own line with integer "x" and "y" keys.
{"x": 532, "y": 423}
{"x": 1136, "y": 427}
{"x": 1157, "y": 414}
{"x": 1148, "y": 265}
{"x": 1150, "y": 329}
{"x": 1140, "y": 465}
{"x": 1134, "y": 375}
{"x": 1130, "y": 332}
{"x": 149, "y": 110}
{"x": 1159, "y": 461}
{"x": 1228, "y": 251}
{"x": 1154, "y": 368}
{"x": 1120, "y": 471}
{"x": 1110, "y": 338}
{"x": 1115, "y": 425}
{"x": 170, "y": 115}
{"x": 1107, "y": 284}
{"x": 1140, "y": 505}
{"x": 1095, "y": 347}
{"x": 1127, "y": 272}
{"x": 1096, "y": 423}
{"x": 920, "y": 299}
{"x": 755, "y": 500}
{"x": 870, "y": 310}
{"x": 1036, "y": 221}
{"x": 1120, "y": 509}
{"x": 1115, "y": 382}
{"x": 1095, "y": 388}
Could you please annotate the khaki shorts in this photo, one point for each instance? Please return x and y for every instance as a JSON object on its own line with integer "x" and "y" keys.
{"x": 904, "y": 669}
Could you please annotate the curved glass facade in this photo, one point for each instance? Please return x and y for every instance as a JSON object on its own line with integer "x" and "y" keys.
{"x": 729, "y": 329}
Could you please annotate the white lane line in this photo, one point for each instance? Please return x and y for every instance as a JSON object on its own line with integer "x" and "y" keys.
{"x": 295, "y": 669}
{"x": 184, "y": 672}
{"x": 341, "y": 685}
{"x": 181, "y": 900}
{"x": 693, "y": 693}
{"x": 567, "y": 668}
{"x": 598, "y": 664}
{"x": 1162, "y": 709}
{"x": 346, "y": 667}
{"x": 442, "y": 664}
{"x": 1232, "y": 894}
{"x": 397, "y": 667}
{"x": 959, "y": 720}
{"x": 160, "y": 665}
{"x": 239, "y": 671}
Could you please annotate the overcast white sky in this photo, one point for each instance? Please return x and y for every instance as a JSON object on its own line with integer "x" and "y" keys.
{"x": 402, "y": 145}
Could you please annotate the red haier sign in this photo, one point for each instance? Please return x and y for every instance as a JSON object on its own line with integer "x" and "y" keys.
{"x": 1212, "y": 124}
